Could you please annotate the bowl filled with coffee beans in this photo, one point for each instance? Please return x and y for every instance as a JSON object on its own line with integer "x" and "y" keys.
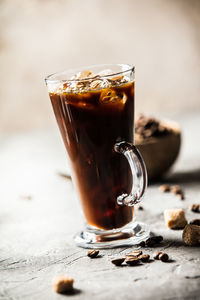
{"x": 159, "y": 143}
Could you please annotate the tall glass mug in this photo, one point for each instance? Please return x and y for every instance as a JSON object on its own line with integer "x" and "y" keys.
{"x": 94, "y": 108}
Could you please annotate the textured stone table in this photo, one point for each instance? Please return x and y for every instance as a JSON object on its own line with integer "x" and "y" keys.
{"x": 36, "y": 235}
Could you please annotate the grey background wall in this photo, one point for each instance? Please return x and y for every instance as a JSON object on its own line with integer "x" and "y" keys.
{"x": 161, "y": 37}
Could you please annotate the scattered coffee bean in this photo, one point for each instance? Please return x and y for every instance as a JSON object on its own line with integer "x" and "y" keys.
{"x": 135, "y": 253}
{"x": 132, "y": 261}
{"x": 195, "y": 222}
{"x": 144, "y": 257}
{"x": 152, "y": 241}
{"x": 195, "y": 207}
{"x": 163, "y": 257}
{"x": 164, "y": 188}
{"x": 63, "y": 284}
{"x": 142, "y": 244}
{"x": 93, "y": 253}
{"x": 156, "y": 254}
{"x": 140, "y": 207}
{"x": 158, "y": 239}
{"x": 181, "y": 196}
{"x": 176, "y": 189}
{"x": 118, "y": 261}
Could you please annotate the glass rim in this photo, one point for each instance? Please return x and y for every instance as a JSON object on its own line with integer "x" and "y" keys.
{"x": 50, "y": 79}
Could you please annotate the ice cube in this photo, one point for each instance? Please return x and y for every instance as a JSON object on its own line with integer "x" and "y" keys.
{"x": 105, "y": 72}
{"x": 96, "y": 84}
{"x": 111, "y": 96}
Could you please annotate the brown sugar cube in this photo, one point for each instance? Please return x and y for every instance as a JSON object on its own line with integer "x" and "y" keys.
{"x": 175, "y": 218}
{"x": 191, "y": 235}
{"x": 63, "y": 284}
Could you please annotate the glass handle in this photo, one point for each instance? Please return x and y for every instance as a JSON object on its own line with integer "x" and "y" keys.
{"x": 139, "y": 173}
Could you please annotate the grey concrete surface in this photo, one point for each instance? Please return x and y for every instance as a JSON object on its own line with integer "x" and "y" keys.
{"x": 36, "y": 235}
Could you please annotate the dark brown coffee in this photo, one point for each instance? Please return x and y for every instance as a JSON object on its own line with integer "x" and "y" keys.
{"x": 91, "y": 122}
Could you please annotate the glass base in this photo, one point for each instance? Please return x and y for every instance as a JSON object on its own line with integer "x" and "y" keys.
{"x": 131, "y": 234}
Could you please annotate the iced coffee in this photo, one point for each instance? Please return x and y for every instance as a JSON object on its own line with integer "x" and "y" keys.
{"x": 94, "y": 112}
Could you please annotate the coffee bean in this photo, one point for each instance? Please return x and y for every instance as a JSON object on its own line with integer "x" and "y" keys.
{"x": 118, "y": 261}
{"x": 163, "y": 257}
{"x": 131, "y": 256}
{"x": 152, "y": 241}
{"x": 132, "y": 261}
{"x": 159, "y": 239}
{"x": 144, "y": 257}
{"x": 181, "y": 196}
{"x": 195, "y": 222}
{"x": 135, "y": 253}
{"x": 195, "y": 207}
{"x": 93, "y": 253}
{"x": 175, "y": 189}
{"x": 142, "y": 244}
{"x": 156, "y": 254}
{"x": 164, "y": 188}
{"x": 140, "y": 207}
